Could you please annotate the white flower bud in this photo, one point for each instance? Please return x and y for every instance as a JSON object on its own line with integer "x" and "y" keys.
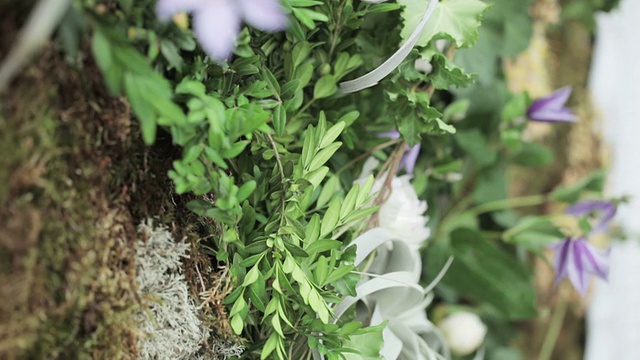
{"x": 423, "y": 66}
{"x": 464, "y": 332}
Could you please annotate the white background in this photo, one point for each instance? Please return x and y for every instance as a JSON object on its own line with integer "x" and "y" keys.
{"x": 614, "y": 315}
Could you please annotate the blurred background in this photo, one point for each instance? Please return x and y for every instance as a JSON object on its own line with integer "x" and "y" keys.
{"x": 591, "y": 45}
{"x": 614, "y": 314}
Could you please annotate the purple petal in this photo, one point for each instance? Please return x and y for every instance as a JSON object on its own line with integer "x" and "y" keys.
{"x": 595, "y": 260}
{"x": 576, "y": 268}
{"x": 551, "y": 108}
{"x": 559, "y": 97}
{"x": 393, "y": 134}
{"x": 603, "y": 225}
{"x": 216, "y": 26}
{"x": 409, "y": 159}
{"x": 585, "y": 207}
{"x": 556, "y": 100}
{"x": 552, "y": 115}
{"x": 167, "y": 8}
{"x": 561, "y": 258}
{"x": 607, "y": 208}
{"x": 577, "y": 260}
{"x": 266, "y": 15}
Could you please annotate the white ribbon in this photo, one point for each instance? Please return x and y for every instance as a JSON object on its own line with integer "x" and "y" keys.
{"x": 372, "y": 78}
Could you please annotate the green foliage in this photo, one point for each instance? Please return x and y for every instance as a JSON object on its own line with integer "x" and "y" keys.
{"x": 126, "y": 70}
{"x": 457, "y": 20}
{"x": 269, "y": 149}
{"x": 585, "y": 11}
{"x": 501, "y": 281}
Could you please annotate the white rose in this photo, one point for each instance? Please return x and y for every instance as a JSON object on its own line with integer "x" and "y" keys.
{"x": 402, "y": 213}
{"x": 464, "y": 332}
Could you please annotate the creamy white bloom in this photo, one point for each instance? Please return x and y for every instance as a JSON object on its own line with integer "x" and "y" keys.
{"x": 402, "y": 213}
{"x": 464, "y": 332}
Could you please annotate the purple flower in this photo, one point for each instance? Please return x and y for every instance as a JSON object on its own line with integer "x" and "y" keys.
{"x": 607, "y": 208}
{"x": 217, "y": 23}
{"x": 408, "y": 161}
{"x": 551, "y": 108}
{"x": 577, "y": 260}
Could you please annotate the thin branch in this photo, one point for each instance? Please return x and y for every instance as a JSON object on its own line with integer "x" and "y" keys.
{"x": 277, "y": 155}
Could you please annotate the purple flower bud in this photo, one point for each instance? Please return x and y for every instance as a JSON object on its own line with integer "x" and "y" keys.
{"x": 408, "y": 161}
{"x": 217, "y": 23}
{"x": 607, "y": 208}
{"x": 577, "y": 260}
{"x": 551, "y": 108}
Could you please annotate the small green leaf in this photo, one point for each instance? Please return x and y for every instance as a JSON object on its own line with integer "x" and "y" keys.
{"x": 239, "y": 305}
{"x": 365, "y": 191}
{"x": 275, "y": 323}
{"x": 322, "y": 270}
{"x": 143, "y": 109}
{"x": 102, "y": 53}
{"x": 251, "y": 276}
{"x": 295, "y": 250}
{"x": 316, "y": 176}
{"x": 349, "y": 202}
{"x": 308, "y": 16}
{"x": 360, "y": 214}
{"x": 237, "y": 324}
{"x": 322, "y": 246}
{"x": 331, "y": 135}
{"x": 445, "y": 127}
{"x": 325, "y": 87}
{"x": 235, "y": 149}
{"x": 456, "y": 111}
{"x": 270, "y": 345}
{"x": 350, "y": 117}
{"x": 303, "y": 74}
{"x": 187, "y": 86}
{"x": 339, "y": 273}
{"x": 328, "y": 190}
{"x": 271, "y": 80}
{"x": 300, "y": 53}
{"x": 323, "y": 156}
{"x": 312, "y": 231}
{"x": 446, "y": 74}
{"x": 308, "y": 147}
{"x": 246, "y": 190}
{"x": 331, "y": 217}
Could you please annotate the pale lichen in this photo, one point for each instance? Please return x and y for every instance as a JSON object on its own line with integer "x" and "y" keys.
{"x": 170, "y": 327}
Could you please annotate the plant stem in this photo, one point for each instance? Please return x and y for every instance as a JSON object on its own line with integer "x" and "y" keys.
{"x": 371, "y": 151}
{"x": 277, "y": 155}
{"x": 554, "y": 330}
{"x": 303, "y": 109}
{"x": 508, "y": 204}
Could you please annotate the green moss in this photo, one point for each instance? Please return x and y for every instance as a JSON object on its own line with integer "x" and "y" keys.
{"x": 65, "y": 238}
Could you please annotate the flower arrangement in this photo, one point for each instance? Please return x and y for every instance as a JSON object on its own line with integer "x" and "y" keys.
{"x": 352, "y": 191}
